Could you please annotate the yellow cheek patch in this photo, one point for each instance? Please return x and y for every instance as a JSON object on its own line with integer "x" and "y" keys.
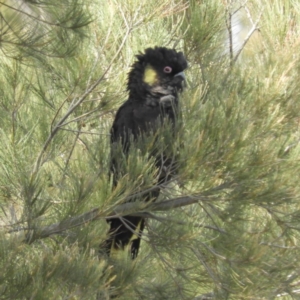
{"x": 150, "y": 75}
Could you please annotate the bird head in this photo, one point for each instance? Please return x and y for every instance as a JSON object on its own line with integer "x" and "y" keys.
{"x": 158, "y": 72}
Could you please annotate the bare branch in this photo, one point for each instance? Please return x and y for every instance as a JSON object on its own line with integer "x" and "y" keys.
{"x": 228, "y": 21}
{"x": 250, "y": 33}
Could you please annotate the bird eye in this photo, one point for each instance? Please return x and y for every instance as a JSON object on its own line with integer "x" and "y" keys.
{"x": 167, "y": 69}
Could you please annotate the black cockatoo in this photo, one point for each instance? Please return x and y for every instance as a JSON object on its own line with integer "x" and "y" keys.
{"x": 154, "y": 82}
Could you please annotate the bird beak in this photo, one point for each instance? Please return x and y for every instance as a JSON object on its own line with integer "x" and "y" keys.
{"x": 181, "y": 74}
{"x": 183, "y": 83}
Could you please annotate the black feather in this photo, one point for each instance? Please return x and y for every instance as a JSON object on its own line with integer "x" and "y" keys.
{"x": 148, "y": 107}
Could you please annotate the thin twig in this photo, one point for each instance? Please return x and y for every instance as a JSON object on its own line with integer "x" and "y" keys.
{"x": 69, "y": 156}
{"x": 83, "y": 116}
{"x": 229, "y": 28}
{"x": 85, "y": 132}
{"x": 212, "y": 227}
{"x": 250, "y": 33}
{"x": 202, "y": 259}
{"x": 72, "y": 107}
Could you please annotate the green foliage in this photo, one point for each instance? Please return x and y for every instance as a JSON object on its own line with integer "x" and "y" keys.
{"x": 63, "y": 68}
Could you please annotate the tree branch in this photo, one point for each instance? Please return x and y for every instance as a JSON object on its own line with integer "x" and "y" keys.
{"x": 119, "y": 211}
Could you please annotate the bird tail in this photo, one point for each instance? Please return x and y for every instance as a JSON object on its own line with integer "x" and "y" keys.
{"x": 125, "y": 231}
